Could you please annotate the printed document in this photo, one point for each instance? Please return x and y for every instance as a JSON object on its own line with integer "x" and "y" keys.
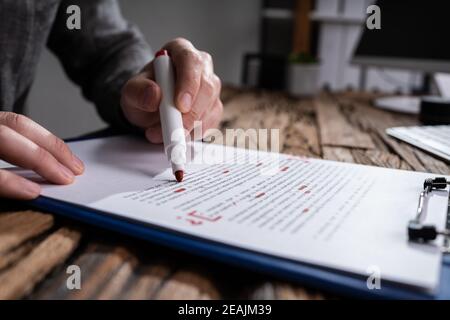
{"x": 347, "y": 217}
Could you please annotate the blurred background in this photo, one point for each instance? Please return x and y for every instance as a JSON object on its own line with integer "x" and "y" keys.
{"x": 269, "y": 44}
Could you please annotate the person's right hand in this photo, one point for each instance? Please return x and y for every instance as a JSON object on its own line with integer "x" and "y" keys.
{"x": 26, "y": 144}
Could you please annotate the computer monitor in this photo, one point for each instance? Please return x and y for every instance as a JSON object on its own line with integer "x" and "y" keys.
{"x": 413, "y": 35}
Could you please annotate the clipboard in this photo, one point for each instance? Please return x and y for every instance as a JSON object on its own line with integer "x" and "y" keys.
{"x": 332, "y": 281}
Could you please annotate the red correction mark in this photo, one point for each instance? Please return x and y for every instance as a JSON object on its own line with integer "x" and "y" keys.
{"x": 180, "y": 190}
{"x": 191, "y": 221}
{"x": 305, "y": 210}
{"x": 304, "y": 159}
{"x": 285, "y": 169}
{"x": 194, "y": 222}
{"x": 302, "y": 188}
{"x": 195, "y": 214}
{"x": 259, "y": 195}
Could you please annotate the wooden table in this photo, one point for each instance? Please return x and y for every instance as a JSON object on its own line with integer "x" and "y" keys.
{"x": 36, "y": 248}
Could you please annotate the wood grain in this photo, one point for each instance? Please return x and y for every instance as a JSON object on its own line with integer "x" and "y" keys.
{"x": 187, "y": 284}
{"x": 336, "y": 131}
{"x": 20, "y": 279}
{"x": 14, "y": 255}
{"x": 103, "y": 273}
{"x": 338, "y": 154}
{"x": 18, "y": 227}
{"x": 151, "y": 279}
{"x": 403, "y": 150}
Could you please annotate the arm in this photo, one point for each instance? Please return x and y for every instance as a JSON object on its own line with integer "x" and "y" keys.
{"x": 106, "y": 58}
{"x": 110, "y": 60}
{"x": 102, "y": 56}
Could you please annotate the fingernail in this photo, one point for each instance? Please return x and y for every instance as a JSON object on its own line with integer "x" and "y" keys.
{"x": 66, "y": 173}
{"x": 186, "y": 102}
{"x": 79, "y": 165}
{"x": 32, "y": 189}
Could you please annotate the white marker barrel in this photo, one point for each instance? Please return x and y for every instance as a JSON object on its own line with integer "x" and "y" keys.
{"x": 171, "y": 120}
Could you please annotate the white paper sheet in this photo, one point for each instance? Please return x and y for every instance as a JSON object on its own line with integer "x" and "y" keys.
{"x": 4, "y": 164}
{"x": 335, "y": 215}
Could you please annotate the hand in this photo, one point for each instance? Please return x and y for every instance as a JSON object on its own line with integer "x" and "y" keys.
{"x": 26, "y": 144}
{"x": 197, "y": 92}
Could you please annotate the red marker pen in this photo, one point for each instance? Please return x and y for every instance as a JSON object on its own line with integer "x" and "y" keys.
{"x": 171, "y": 120}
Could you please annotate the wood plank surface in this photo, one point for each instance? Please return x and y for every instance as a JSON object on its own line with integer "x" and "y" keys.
{"x": 23, "y": 276}
{"x": 36, "y": 248}
{"x": 336, "y": 130}
{"x": 18, "y": 227}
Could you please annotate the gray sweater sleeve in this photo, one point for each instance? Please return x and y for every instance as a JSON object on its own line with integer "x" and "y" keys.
{"x": 102, "y": 55}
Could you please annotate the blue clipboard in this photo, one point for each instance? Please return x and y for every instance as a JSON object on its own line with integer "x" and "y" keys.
{"x": 326, "y": 279}
{"x": 312, "y": 276}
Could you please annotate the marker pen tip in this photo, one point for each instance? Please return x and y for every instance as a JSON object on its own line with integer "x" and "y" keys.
{"x": 179, "y": 175}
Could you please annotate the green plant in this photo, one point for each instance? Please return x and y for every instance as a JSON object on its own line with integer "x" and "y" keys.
{"x": 302, "y": 58}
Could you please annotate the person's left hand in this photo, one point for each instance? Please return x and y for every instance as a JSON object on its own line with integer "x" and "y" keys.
{"x": 197, "y": 92}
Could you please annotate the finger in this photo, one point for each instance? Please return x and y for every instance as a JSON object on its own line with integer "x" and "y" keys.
{"x": 141, "y": 93}
{"x": 212, "y": 118}
{"x": 209, "y": 92}
{"x": 43, "y": 138}
{"x": 18, "y": 150}
{"x": 189, "y": 67}
{"x": 141, "y": 119}
{"x": 154, "y": 134}
{"x": 208, "y": 65}
{"x": 15, "y": 187}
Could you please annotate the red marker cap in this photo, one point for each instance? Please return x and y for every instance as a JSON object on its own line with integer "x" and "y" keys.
{"x": 162, "y": 53}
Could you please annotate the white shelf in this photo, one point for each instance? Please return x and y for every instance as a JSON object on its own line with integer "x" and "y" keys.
{"x": 336, "y": 19}
{"x": 274, "y": 13}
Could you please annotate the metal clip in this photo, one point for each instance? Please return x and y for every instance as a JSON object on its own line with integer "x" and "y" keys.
{"x": 419, "y": 231}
